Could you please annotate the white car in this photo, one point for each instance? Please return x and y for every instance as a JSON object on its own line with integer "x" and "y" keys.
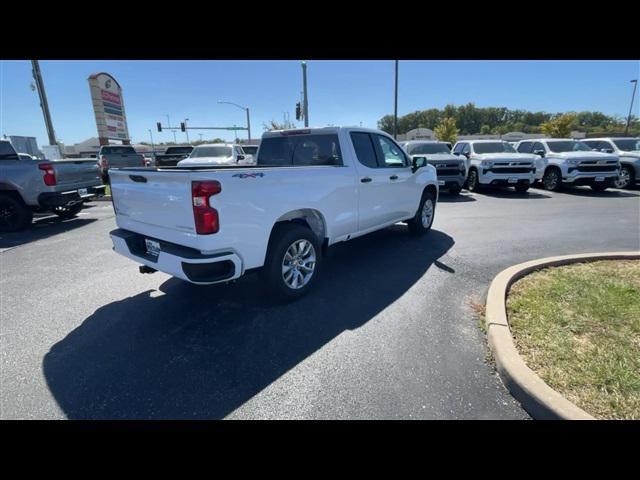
{"x": 571, "y": 162}
{"x": 496, "y": 163}
{"x": 310, "y": 189}
{"x": 628, "y": 150}
{"x": 217, "y": 154}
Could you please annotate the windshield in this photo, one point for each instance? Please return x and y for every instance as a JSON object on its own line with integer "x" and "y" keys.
{"x": 568, "y": 146}
{"x": 219, "y": 151}
{"x": 425, "y": 148}
{"x": 493, "y": 147}
{"x": 628, "y": 144}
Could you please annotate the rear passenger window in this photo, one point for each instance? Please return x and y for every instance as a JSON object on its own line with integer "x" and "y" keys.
{"x": 364, "y": 149}
{"x": 300, "y": 150}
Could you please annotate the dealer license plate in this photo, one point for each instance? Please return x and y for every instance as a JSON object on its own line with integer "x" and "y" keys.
{"x": 513, "y": 180}
{"x": 82, "y": 191}
{"x": 440, "y": 182}
{"x": 599, "y": 179}
{"x": 153, "y": 247}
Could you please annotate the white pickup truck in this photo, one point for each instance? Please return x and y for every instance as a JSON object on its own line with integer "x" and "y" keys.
{"x": 571, "y": 162}
{"x": 309, "y": 189}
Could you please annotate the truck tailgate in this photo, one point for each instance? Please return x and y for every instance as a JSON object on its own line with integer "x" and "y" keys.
{"x": 155, "y": 203}
{"x": 77, "y": 173}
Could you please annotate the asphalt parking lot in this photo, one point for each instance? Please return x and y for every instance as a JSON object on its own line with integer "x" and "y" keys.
{"x": 388, "y": 333}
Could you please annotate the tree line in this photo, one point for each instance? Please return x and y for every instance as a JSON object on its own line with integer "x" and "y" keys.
{"x": 471, "y": 120}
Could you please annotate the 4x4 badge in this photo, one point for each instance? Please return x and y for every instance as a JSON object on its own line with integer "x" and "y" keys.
{"x": 248, "y": 175}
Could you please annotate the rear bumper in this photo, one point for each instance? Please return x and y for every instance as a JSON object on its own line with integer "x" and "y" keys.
{"x": 69, "y": 197}
{"x": 183, "y": 262}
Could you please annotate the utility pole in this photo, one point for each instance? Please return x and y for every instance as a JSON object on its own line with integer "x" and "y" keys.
{"x": 305, "y": 100}
{"x": 635, "y": 84}
{"x": 395, "y": 108}
{"x": 37, "y": 76}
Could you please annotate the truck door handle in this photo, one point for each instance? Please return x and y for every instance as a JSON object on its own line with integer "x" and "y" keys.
{"x": 393, "y": 177}
{"x": 138, "y": 178}
{"x": 365, "y": 180}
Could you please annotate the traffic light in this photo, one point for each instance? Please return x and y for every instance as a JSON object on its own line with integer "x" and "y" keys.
{"x": 159, "y": 125}
{"x": 298, "y": 112}
{"x": 183, "y": 127}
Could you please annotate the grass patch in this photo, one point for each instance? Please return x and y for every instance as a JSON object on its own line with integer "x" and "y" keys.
{"x": 107, "y": 191}
{"x": 578, "y": 328}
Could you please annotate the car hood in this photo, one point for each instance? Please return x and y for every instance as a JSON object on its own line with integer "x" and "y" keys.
{"x": 585, "y": 155}
{"x": 206, "y": 161}
{"x": 506, "y": 157}
{"x": 437, "y": 156}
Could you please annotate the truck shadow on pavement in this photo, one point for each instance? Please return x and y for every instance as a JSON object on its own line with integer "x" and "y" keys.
{"x": 587, "y": 192}
{"x": 43, "y": 227}
{"x": 202, "y": 351}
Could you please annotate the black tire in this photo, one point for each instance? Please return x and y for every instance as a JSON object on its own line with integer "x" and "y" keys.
{"x": 474, "y": 184}
{"x": 598, "y": 187}
{"x": 521, "y": 187}
{"x": 283, "y": 238}
{"x": 68, "y": 212}
{"x": 552, "y": 179}
{"x": 14, "y": 214}
{"x": 416, "y": 225}
{"x": 455, "y": 189}
{"x": 626, "y": 178}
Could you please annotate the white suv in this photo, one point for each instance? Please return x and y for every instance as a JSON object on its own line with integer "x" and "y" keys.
{"x": 628, "y": 150}
{"x": 496, "y": 163}
{"x": 573, "y": 162}
{"x": 217, "y": 154}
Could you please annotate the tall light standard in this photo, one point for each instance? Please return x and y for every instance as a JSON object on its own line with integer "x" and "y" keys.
{"x": 185, "y": 129}
{"x": 305, "y": 99}
{"x": 635, "y": 84}
{"x": 153, "y": 148}
{"x": 395, "y": 108}
{"x": 174, "y": 132}
{"x": 246, "y": 109}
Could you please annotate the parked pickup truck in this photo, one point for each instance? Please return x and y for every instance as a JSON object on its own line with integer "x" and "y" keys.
{"x": 217, "y": 154}
{"x": 628, "y": 151}
{"x": 28, "y": 186}
{"x": 496, "y": 163}
{"x": 119, "y": 156}
{"x": 173, "y": 155}
{"x": 310, "y": 189}
{"x": 571, "y": 162}
{"x": 451, "y": 169}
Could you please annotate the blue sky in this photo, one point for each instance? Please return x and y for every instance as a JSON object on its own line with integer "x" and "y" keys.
{"x": 340, "y": 92}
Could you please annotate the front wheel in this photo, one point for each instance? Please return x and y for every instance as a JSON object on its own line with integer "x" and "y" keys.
{"x": 624, "y": 179}
{"x": 292, "y": 263}
{"x": 551, "y": 180}
{"x": 423, "y": 219}
{"x": 474, "y": 183}
{"x": 68, "y": 212}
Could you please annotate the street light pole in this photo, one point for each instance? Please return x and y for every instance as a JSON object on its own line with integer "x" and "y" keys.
{"x": 153, "y": 148}
{"x": 186, "y": 130}
{"x": 37, "y": 76}
{"x": 395, "y": 108}
{"x": 635, "y": 84}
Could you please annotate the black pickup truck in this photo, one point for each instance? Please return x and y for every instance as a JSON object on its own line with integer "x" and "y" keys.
{"x": 173, "y": 155}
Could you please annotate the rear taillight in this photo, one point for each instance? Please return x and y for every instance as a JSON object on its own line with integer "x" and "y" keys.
{"x": 205, "y": 216}
{"x": 104, "y": 163}
{"x": 49, "y": 174}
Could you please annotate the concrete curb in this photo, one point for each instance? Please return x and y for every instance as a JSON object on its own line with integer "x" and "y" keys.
{"x": 537, "y": 398}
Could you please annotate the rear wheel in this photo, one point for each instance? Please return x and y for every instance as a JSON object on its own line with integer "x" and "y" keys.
{"x": 423, "y": 219}
{"x": 14, "y": 214}
{"x": 552, "y": 180}
{"x": 68, "y": 212}
{"x": 474, "y": 183}
{"x": 292, "y": 263}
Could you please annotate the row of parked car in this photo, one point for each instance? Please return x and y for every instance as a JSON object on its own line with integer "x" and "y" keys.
{"x": 599, "y": 163}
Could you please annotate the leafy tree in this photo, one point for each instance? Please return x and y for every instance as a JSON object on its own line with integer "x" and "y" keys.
{"x": 447, "y": 130}
{"x": 275, "y": 125}
{"x": 485, "y": 129}
{"x": 559, "y": 127}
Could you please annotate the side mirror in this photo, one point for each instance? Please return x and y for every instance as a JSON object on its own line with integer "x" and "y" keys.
{"x": 607, "y": 150}
{"x": 418, "y": 162}
{"x": 539, "y": 152}
{"x": 466, "y": 154}
{"x": 240, "y": 157}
